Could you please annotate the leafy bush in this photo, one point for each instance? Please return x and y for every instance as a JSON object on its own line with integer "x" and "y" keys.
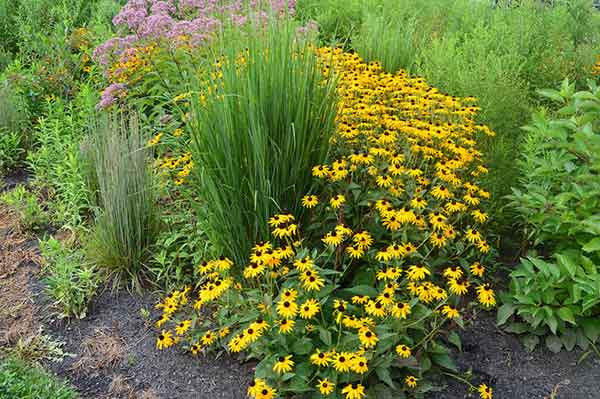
{"x": 557, "y": 289}
{"x": 25, "y": 203}
{"x": 13, "y": 122}
{"x": 58, "y": 162}
{"x": 370, "y": 289}
{"x": 127, "y": 223}
{"x": 20, "y": 380}
{"x": 251, "y": 147}
{"x": 70, "y": 282}
{"x": 338, "y": 20}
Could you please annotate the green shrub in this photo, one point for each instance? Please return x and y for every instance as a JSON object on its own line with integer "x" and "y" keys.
{"x": 556, "y": 289}
{"x": 69, "y": 281}
{"x": 13, "y": 123}
{"x": 338, "y": 20}
{"x": 127, "y": 223}
{"x": 57, "y": 162}
{"x": 255, "y": 140}
{"x": 20, "y": 380}
{"x": 25, "y": 203}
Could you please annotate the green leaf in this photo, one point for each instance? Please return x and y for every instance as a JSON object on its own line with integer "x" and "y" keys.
{"x": 444, "y": 360}
{"x": 566, "y": 315}
{"x": 593, "y": 245}
{"x": 362, "y": 290}
{"x": 530, "y": 341}
{"x": 504, "y": 312}
{"x": 553, "y": 343}
{"x": 325, "y": 336}
{"x": 552, "y": 323}
{"x": 384, "y": 375}
{"x": 302, "y": 346}
{"x": 551, "y": 94}
{"x": 591, "y": 328}
{"x": 569, "y": 339}
{"x": 517, "y": 328}
{"x": 455, "y": 340}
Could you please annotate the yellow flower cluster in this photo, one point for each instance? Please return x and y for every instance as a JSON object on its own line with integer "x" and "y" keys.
{"x": 132, "y": 65}
{"x": 596, "y": 68}
{"x": 393, "y": 246}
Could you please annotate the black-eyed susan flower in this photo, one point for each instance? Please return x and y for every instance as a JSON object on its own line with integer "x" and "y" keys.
{"x": 459, "y": 287}
{"x": 310, "y": 201}
{"x": 182, "y": 327}
{"x": 333, "y": 239}
{"x": 485, "y": 392}
{"x": 309, "y": 309}
{"x": 341, "y": 362}
{"x": 256, "y": 386}
{"x": 337, "y": 200}
{"x": 284, "y": 364}
{"x": 359, "y": 365}
{"x": 286, "y": 326}
{"x": 403, "y": 351}
{"x": 375, "y": 308}
{"x": 360, "y": 299}
{"x": 485, "y": 295}
{"x": 161, "y": 320}
{"x": 410, "y": 381}
{"x": 164, "y": 340}
{"x": 325, "y": 387}
{"x": 320, "y": 359}
{"x": 417, "y": 272}
{"x": 477, "y": 269}
{"x": 354, "y": 391}
{"x": 287, "y": 309}
{"x": 450, "y": 312}
{"x": 400, "y": 310}
{"x": 367, "y": 338}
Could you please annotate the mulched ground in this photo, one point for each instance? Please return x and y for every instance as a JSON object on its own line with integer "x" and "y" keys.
{"x": 113, "y": 353}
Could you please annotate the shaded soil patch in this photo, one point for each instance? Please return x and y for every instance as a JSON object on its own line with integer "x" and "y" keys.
{"x": 499, "y": 359}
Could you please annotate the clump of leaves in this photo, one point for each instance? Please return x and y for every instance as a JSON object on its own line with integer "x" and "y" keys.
{"x": 556, "y": 290}
{"x": 25, "y": 204}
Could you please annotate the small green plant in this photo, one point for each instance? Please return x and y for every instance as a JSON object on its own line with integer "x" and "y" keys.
{"x": 127, "y": 223}
{"x": 38, "y": 347}
{"x": 25, "y": 204}
{"x": 12, "y": 123}
{"x": 19, "y": 379}
{"x": 556, "y": 290}
{"x": 11, "y": 150}
{"x": 70, "y": 282}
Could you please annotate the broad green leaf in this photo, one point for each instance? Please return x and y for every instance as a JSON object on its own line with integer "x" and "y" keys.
{"x": 504, "y": 312}
{"x": 444, "y": 360}
{"x": 593, "y": 245}
{"x": 553, "y": 343}
{"x": 531, "y": 341}
{"x": 455, "y": 340}
{"x": 384, "y": 375}
{"x": 566, "y": 315}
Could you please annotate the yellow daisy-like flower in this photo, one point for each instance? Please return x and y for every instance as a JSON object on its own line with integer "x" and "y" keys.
{"x": 208, "y": 338}
{"x": 195, "y": 349}
{"x": 309, "y": 309}
{"x": 360, "y": 299}
{"x": 164, "y": 340}
{"x": 284, "y": 364}
{"x": 320, "y": 171}
{"x": 326, "y": 387}
{"x": 310, "y": 201}
{"x": 354, "y": 391}
{"x": 286, "y": 326}
{"x": 182, "y": 327}
{"x": 486, "y": 296}
{"x": 368, "y": 338}
{"x": 454, "y": 272}
{"x": 450, "y": 312}
{"x": 320, "y": 359}
{"x": 400, "y": 310}
{"x": 459, "y": 287}
{"x": 416, "y": 273}
{"x": 161, "y": 320}
{"x": 337, "y": 200}
{"x": 256, "y": 386}
{"x": 304, "y": 264}
{"x": 411, "y": 381}
{"x": 477, "y": 269}
{"x": 441, "y": 192}
{"x": 485, "y": 392}
{"x": 287, "y": 309}
{"x": 403, "y": 351}
{"x": 418, "y": 203}
{"x": 479, "y": 216}
{"x": 341, "y": 362}
{"x": 359, "y": 365}
{"x": 333, "y": 239}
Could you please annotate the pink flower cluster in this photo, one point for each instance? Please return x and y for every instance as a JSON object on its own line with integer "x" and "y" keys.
{"x": 196, "y": 19}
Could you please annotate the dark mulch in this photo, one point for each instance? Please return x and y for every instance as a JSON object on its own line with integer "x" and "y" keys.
{"x": 499, "y": 359}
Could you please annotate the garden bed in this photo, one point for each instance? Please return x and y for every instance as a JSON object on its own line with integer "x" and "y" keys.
{"x": 112, "y": 354}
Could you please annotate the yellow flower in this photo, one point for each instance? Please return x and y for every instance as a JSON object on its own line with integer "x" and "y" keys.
{"x": 320, "y": 359}
{"x": 161, "y": 320}
{"x": 354, "y": 391}
{"x": 485, "y": 295}
{"x": 459, "y": 286}
{"x": 286, "y": 326}
{"x": 309, "y": 309}
{"x": 454, "y": 272}
{"x": 410, "y": 381}
{"x": 208, "y": 338}
{"x": 310, "y": 201}
{"x": 287, "y": 309}
{"x": 359, "y": 365}
{"x": 164, "y": 340}
{"x": 400, "y": 310}
{"x": 182, "y": 327}
{"x": 485, "y": 392}
{"x": 416, "y": 273}
{"x": 450, "y": 312}
{"x": 341, "y": 362}
{"x": 403, "y": 351}
{"x": 333, "y": 238}
{"x": 367, "y": 337}
{"x": 477, "y": 269}
{"x": 326, "y": 387}
{"x": 284, "y": 364}
{"x": 337, "y": 201}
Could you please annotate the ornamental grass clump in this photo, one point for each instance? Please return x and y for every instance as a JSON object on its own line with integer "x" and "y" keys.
{"x": 266, "y": 116}
{"x": 362, "y": 298}
{"x": 127, "y": 223}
